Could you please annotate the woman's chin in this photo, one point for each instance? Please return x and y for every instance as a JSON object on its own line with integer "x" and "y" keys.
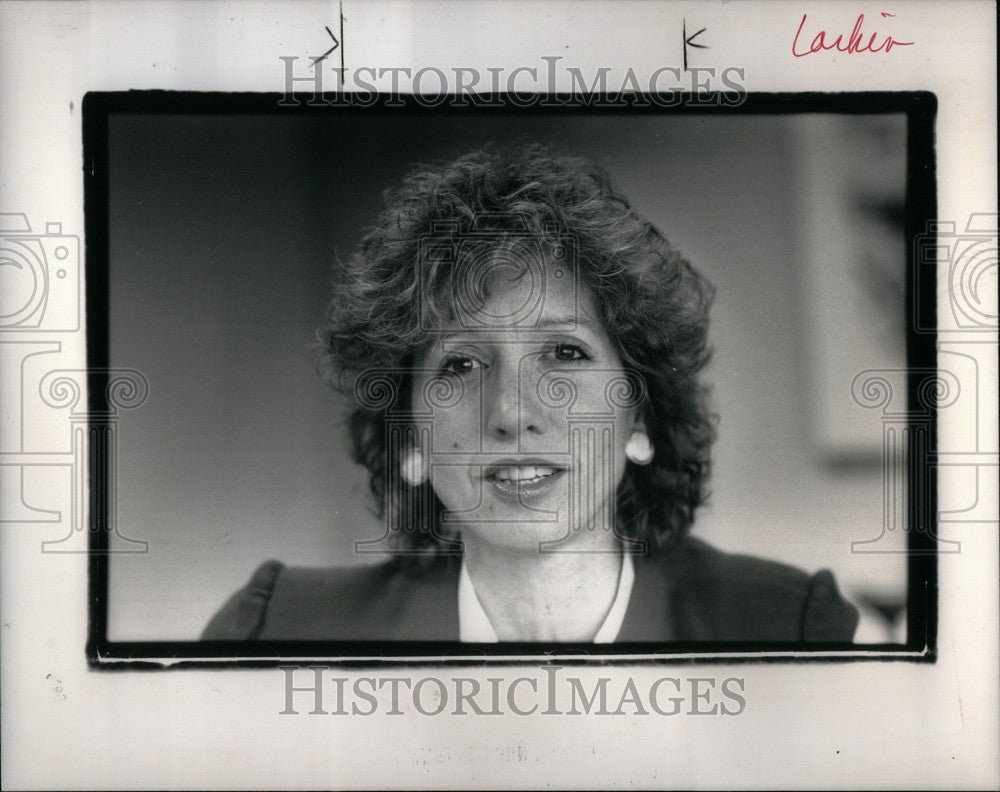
{"x": 527, "y": 516}
{"x": 542, "y": 535}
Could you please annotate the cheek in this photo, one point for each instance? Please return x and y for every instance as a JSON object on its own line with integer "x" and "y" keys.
{"x": 456, "y": 428}
{"x": 451, "y": 485}
{"x": 624, "y": 426}
{"x": 598, "y": 449}
{"x": 454, "y": 484}
{"x": 450, "y": 409}
{"x": 604, "y": 397}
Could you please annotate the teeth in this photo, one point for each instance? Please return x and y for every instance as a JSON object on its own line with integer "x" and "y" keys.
{"x": 523, "y": 472}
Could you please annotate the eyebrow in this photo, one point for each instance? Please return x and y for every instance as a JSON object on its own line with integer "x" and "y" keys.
{"x": 566, "y": 320}
{"x": 554, "y": 323}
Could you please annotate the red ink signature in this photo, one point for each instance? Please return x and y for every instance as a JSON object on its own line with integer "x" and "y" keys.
{"x": 855, "y": 41}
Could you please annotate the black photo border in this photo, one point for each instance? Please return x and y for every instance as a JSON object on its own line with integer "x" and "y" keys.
{"x": 920, "y": 108}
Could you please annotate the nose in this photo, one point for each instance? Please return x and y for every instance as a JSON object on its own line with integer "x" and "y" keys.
{"x": 512, "y": 410}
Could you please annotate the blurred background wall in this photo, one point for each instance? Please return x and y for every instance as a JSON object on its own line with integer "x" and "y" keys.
{"x": 223, "y": 231}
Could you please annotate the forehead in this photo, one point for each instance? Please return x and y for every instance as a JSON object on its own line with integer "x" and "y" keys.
{"x": 511, "y": 294}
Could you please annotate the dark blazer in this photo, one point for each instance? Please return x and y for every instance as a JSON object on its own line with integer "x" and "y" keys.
{"x": 694, "y": 593}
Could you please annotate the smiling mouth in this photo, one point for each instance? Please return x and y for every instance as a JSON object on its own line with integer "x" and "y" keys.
{"x": 524, "y": 479}
{"x": 523, "y": 474}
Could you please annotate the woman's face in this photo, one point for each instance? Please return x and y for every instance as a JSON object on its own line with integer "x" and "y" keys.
{"x": 529, "y": 412}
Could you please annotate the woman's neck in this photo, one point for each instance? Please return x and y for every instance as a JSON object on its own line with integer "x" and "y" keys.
{"x": 535, "y": 596}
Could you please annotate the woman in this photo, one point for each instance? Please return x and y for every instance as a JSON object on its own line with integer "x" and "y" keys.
{"x": 523, "y": 352}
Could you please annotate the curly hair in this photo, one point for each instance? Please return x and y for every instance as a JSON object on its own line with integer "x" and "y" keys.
{"x": 654, "y": 306}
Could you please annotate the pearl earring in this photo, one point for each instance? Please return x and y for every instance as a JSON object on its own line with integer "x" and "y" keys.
{"x": 412, "y": 468}
{"x": 638, "y": 449}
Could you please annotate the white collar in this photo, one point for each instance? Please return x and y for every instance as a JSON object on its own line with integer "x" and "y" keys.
{"x": 474, "y": 625}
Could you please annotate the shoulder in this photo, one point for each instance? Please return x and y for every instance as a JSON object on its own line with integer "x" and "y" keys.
{"x": 719, "y": 596}
{"x": 380, "y": 601}
{"x": 242, "y": 615}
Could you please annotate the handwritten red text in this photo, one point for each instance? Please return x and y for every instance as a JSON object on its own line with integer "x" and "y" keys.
{"x": 854, "y": 43}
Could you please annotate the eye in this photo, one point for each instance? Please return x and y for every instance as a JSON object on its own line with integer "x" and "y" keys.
{"x": 565, "y": 351}
{"x": 459, "y": 364}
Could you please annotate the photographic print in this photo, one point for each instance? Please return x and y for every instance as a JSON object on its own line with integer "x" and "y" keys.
{"x": 507, "y": 375}
{"x": 475, "y": 395}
